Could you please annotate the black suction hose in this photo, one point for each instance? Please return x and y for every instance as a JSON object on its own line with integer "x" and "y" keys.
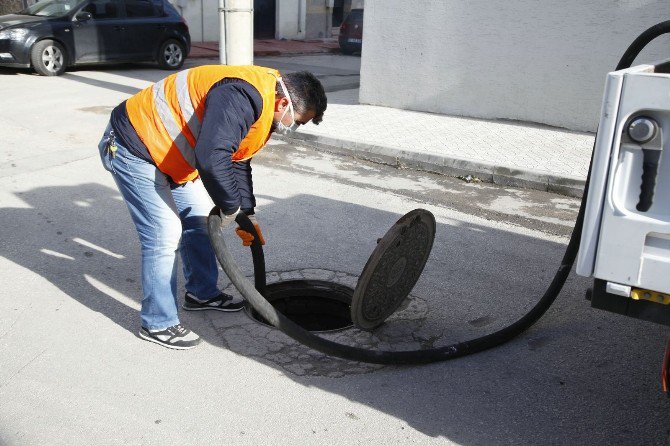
{"x": 257, "y": 255}
{"x": 640, "y": 42}
{"x": 482, "y": 343}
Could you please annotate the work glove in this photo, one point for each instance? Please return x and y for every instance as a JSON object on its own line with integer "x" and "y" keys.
{"x": 228, "y": 218}
{"x": 248, "y": 238}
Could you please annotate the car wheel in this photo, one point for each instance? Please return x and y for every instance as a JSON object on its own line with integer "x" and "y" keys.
{"x": 171, "y": 55}
{"x": 346, "y": 49}
{"x": 48, "y": 58}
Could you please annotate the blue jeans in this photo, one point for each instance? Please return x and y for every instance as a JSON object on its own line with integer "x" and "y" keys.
{"x": 169, "y": 217}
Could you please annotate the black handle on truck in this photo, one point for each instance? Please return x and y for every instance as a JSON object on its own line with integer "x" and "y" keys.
{"x": 649, "y": 172}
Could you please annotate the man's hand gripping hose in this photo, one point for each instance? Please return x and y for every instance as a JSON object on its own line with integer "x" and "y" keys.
{"x": 248, "y": 237}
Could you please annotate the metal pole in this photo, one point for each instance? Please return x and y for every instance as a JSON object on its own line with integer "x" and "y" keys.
{"x": 237, "y": 36}
{"x": 223, "y": 27}
{"x": 251, "y": 31}
{"x": 202, "y": 21}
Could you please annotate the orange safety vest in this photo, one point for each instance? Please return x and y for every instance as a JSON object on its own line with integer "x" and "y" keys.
{"x": 167, "y": 115}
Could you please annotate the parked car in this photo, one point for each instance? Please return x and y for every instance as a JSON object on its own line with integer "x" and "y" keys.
{"x": 351, "y": 32}
{"x": 52, "y": 35}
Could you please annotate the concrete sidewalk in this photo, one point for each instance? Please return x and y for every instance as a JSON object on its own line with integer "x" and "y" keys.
{"x": 503, "y": 152}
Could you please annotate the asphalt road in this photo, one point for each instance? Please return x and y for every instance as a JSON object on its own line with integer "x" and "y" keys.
{"x": 74, "y": 372}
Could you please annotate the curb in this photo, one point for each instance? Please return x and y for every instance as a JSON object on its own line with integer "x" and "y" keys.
{"x": 262, "y": 53}
{"x": 445, "y": 165}
{"x": 269, "y": 53}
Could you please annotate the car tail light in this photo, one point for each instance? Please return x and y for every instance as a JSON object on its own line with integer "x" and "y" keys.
{"x": 344, "y": 26}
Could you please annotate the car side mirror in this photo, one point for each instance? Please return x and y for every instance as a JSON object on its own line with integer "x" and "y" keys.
{"x": 83, "y": 16}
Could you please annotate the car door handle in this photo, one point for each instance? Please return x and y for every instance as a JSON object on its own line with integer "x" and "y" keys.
{"x": 119, "y": 28}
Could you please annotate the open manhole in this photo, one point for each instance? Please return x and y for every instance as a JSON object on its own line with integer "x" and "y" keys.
{"x": 315, "y": 305}
{"x": 387, "y": 279}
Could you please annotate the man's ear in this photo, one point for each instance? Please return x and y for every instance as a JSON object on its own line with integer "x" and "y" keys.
{"x": 281, "y": 104}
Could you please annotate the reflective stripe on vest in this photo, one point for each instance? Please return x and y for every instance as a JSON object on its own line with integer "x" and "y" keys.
{"x": 184, "y": 98}
{"x": 167, "y": 116}
{"x": 172, "y": 127}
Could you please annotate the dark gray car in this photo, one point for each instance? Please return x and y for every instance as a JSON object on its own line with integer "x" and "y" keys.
{"x": 54, "y": 34}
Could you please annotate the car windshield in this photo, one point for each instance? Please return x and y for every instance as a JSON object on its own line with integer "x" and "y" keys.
{"x": 356, "y": 15}
{"x": 51, "y": 8}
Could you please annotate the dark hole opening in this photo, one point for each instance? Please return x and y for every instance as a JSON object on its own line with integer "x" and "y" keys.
{"x": 315, "y": 305}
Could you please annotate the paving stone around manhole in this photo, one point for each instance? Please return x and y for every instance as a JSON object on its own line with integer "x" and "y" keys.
{"x": 404, "y": 330}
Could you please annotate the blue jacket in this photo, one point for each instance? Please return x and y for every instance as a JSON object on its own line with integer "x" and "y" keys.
{"x": 231, "y": 108}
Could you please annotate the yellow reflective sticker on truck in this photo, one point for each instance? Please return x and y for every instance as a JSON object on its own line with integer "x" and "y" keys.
{"x": 652, "y": 296}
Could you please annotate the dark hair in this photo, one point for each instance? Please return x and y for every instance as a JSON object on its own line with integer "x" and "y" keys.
{"x": 306, "y": 93}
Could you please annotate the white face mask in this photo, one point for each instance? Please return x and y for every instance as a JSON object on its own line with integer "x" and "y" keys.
{"x": 282, "y": 128}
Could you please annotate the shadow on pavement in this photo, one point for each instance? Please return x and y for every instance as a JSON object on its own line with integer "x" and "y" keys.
{"x": 538, "y": 389}
{"x": 127, "y": 89}
{"x": 65, "y": 246}
{"x": 10, "y": 71}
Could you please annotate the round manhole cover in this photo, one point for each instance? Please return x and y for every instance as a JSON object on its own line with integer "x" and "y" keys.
{"x": 393, "y": 269}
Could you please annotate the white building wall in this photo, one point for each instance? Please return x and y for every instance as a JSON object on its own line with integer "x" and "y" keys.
{"x": 202, "y": 17}
{"x": 524, "y": 60}
{"x": 291, "y": 19}
{"x": 211, "y": 27}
